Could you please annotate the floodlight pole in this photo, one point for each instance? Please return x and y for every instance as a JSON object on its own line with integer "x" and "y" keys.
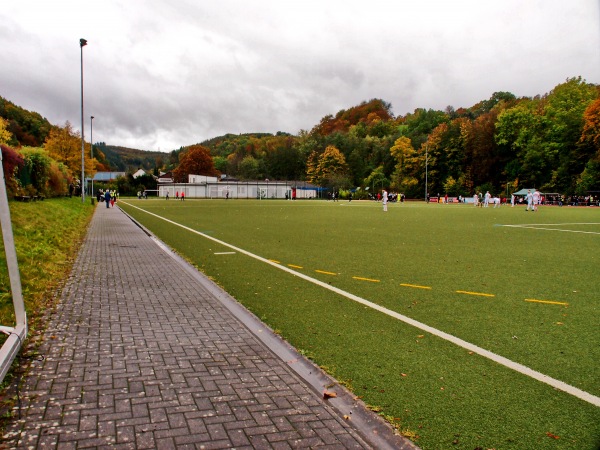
{"x": 92, "y": 149}
{"x": 426, "y": 161}
{"x": 82, "y": 43}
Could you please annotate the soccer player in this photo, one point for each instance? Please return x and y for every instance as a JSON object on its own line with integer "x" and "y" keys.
{"x": 529, "y": 200}
{"x": 536, "y": 196}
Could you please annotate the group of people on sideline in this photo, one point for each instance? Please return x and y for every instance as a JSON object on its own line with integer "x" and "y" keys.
{"x": 181, "y": 195}
{"x": 109, "y": 197}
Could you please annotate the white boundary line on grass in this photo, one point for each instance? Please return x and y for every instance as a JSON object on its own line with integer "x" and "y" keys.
{"x": 557, "y": 384}
{"x": 543, "y": 226}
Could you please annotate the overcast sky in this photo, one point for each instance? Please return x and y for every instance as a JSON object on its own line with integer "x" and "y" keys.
{"x": 160, "y": 74}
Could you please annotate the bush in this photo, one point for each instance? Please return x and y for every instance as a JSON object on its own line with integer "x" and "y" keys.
{"x": 11, "y": 163}
{"x": 57, "y": 180}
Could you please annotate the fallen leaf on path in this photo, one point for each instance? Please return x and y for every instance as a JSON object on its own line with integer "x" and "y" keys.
{"x": 329, "y": 394}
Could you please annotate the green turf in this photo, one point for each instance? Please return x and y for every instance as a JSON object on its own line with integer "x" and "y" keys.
{"x": 446, "y": 395}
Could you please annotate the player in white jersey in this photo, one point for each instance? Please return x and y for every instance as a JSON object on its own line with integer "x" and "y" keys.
{"x": 536, "y": 199}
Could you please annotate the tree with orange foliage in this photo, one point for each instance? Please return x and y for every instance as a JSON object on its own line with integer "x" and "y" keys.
{"x": 195, "y": 161}
{"x": 591, "y": 126}
{"x": 330, "y": 165}
{"x": 64, "y": 146}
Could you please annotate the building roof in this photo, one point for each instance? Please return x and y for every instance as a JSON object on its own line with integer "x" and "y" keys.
{"x": 139, "y": 173}
{"x": 108, "y": 176}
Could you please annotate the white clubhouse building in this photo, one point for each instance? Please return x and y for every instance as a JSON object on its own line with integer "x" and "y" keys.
{"x": 200, "y": 186}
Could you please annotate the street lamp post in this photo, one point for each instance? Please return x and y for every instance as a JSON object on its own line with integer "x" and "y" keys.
{"x": 92, "y": 149}
{"x": 82, "y": 43}
{"x": 426, "y": 161}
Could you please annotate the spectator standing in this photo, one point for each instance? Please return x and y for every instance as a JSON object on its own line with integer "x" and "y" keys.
{"x": 384, "y": 197}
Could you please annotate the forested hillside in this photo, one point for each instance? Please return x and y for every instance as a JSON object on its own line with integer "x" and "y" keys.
{"x": 503, "y": 143}
{"x": 549, "y": 141}
{"x": 125, "y": 159}
{"x": 25, "y": 127}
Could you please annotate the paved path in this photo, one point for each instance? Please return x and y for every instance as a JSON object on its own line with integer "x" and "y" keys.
{"x": 145, "y": 352}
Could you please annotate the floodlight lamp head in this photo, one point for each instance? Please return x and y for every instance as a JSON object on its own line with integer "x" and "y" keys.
{"x": 82, "y": 42}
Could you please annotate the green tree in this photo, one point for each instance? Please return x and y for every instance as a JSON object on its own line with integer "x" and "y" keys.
{"x": 564, "y": 113}
{"x": 220, "y": 163}
{"x": 420, "y": 123}
{"x": 520, "y": 131}
{"x": 249, "y": 168}
{"x": 376, "y": 180}
{"x": 35, "y": 172}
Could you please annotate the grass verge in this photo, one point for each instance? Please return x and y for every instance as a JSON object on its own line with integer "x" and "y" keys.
{"x": 47, "y": 236}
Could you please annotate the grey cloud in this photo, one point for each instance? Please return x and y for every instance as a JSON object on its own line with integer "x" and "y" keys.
{"x": 163, "y": 75}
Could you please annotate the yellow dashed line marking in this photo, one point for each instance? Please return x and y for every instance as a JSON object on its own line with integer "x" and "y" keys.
{"x": 295, "y": 267}
{"x": 481, "y": 294}
{"x": 275, "y": 261}
{"x": 415, "y": 286}
{"x": 549, "y": 302}
{"x": 366, "y": 279}
{"x": 326, "y": 273}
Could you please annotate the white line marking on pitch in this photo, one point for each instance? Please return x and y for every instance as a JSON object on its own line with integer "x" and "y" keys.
{"x": 557, "y": 384}
{"x": 544, "y": 226}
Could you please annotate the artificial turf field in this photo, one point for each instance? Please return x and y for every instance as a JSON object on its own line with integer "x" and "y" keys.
{"x": 528, "y": 292}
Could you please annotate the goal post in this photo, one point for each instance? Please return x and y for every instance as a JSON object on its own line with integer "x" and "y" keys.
{"x": 17, "y": 333}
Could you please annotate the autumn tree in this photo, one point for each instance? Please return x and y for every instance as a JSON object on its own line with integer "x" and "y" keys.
{"x": 328, "y": 169}
{"x": 11, "y": 163}
{"x": 195, "y": 161}
{"x": 312, "y": 163}
{"x": 589, "y": 179}
{"x": 366, "y": 112}
{"x": 486, "y": 158}
{"x": 591, "y": 126}
{"x": 5, "y": 135}
{"x": 27, "y": 128}
{"x": 408, "y": 166}
{"x": 64, "y": 146}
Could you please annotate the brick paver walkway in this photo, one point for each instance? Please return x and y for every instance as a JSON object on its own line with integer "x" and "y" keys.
{"x": 144, "y": 352}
